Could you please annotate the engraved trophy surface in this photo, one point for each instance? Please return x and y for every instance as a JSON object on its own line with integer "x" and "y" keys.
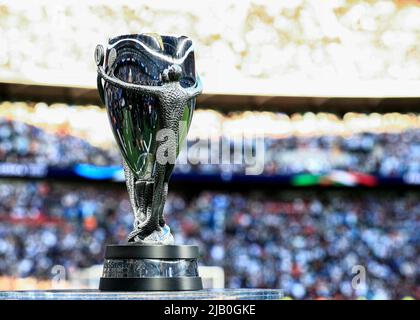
{"x": 148, "y": 84}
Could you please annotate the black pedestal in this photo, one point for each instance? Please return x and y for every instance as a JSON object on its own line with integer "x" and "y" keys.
{"x": 134, "y": 267}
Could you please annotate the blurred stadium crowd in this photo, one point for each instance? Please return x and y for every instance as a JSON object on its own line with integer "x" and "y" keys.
{"x": 305, "y": 242}
{"x": 22, "y": 143}
{"x": 384, "y": 154}
{"x": 386, "y": 145}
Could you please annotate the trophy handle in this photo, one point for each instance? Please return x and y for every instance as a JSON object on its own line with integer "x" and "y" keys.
{"x": 99, "y": 59}
{"x": 100, "y": 88}
{"x": 192, "y": 92}
{"x": 145, "y": 89}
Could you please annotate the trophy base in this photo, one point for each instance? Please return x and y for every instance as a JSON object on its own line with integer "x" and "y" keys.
{"x": 137, "y": 267}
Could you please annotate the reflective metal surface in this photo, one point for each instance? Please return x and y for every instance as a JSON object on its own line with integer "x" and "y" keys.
{"x": 148, "y": 83}
{"x": 207, "y": 294}
{"x": 143, "y": 268}
{"x": 135, "y": 117}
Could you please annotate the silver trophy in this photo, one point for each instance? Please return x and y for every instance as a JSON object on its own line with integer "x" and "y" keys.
{"x": 148, "y": 84}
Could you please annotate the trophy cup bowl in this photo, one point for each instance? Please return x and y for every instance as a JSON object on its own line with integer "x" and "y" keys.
{"x": 148, "y": 84}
